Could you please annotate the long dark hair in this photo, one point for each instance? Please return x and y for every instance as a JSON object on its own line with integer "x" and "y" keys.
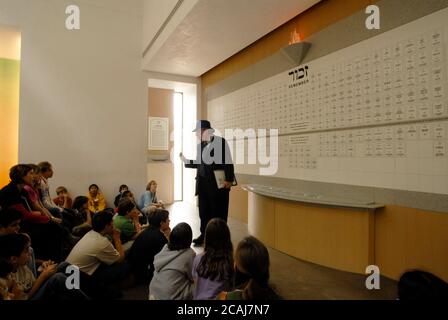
{"x": 217, "y": 262}
{"x": 252, "y": 259}
{"x": 180, "y": 237}
{"x": 421, "y": 285}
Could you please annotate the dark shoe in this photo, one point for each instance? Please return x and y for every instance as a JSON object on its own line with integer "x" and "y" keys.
{"x": 198, "y": 241}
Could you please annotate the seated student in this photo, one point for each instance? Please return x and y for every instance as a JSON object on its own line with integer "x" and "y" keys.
{"x": 6, "y": 283}
{"x": 148, "y": 244}
{"x": 96, "y": 256}
{"x": 10, "y": 223}
{"x": 251, "y": 272}
{"x": 47, "y": 237}
{"x": 213, "y": 269}
{"x": 142, "y": 218}
{"x": 33, "y": 197}
{"x": 81, "y": 208}
{"x": 63, "y": 200}
{"x": 66, "y": 215}
{"x": 49, "y": 285}
{"x": 118, "y": 197}
{"x": 149, "y": 198}
{"x": 96, "y": 199}
{"x": 421, "y": 285}
{"x": 65, "y": 220}
{"x": 46, "y": 172}
{"x": 127, "y": 220}
{"x": 172, "y": 278}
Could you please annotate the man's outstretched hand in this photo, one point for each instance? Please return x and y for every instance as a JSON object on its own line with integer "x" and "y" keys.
{"x": 182, "y": 157}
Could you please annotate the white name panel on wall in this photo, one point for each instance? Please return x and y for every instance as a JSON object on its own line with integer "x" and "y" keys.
{"x": 158, "y": 133}
{"x": 372, "y": 114}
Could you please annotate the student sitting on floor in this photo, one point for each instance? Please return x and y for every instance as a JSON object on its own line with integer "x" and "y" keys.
{"x": 81, "y": 208}
{"x": 213, "y": 269}
{"x": 46, "y": 236}
{"x": 69, "y": 220}
{"x": 63, "y": 200}
{"x": 251, "y": 272}
{"x": 172, "y": 278}
{"x": 142, "y": 218}
{"x": 127, "y": 220}
{"x": 6, "y": 282}
{"x": 49, "y": 285}
{"x": 64, "y": 219}
{"x": 10, "y": 223}
{"x": 46, "y": 172}
{"x": 148, "y": 244}
{"x": 95, "y": 255}
{"x": 97, "y": 202}
{"x": 32, "y": 191}
{"x": 118, "y": 197}
{"x": 149, "y": 198}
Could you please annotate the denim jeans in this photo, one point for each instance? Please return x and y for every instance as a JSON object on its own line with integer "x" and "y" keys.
{"x": 55, "y": 287}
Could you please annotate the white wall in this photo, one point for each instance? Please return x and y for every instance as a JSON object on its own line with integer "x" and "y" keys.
{"x": 83, "y": 102}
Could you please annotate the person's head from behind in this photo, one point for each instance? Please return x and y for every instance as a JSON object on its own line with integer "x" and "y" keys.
{"x": 421, "y": 285}
{"x": 151, "y": 186}
{"x": 10, "y": 221}
{"x": 123, "y": 188}
{"x": 180, "y": 237}
{"x": 217, "y": 236}
{"x": 61, "y": 191}
{"x": 127, "y": 208}
{"x": 159, "y": 219}
{"x": 217, "y": 262}
{"x": 15, "y": 248}
{"x": 102, "y": 222}
{"x": 80, "y": 203}
{"x": 93, "y": 190}
{"x": 127, "y": 194}
{"x": 46, "y": 169}
{"x": 21, "y": 174}
{"x": 252, "y": 260}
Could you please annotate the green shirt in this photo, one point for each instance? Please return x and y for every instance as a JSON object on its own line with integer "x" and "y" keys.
{"x": 126, "y": 227}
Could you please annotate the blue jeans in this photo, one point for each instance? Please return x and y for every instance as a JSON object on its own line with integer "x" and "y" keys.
{"x": 55, "y": 288}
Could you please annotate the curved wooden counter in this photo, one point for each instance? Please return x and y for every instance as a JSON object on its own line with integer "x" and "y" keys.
{"x": 336, "y": 233}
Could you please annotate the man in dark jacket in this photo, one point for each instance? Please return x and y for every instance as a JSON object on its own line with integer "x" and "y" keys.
{"x": 214, "y": 177}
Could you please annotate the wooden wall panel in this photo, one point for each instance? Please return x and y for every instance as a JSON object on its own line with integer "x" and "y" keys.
{"x": 333, "y": 237}
{"x": 407, "y": 238}
{"x": 261, "y": 219}
{"x": 238, "y": 204}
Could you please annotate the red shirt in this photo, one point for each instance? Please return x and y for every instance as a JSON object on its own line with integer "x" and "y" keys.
{"x": 33, "y": 195}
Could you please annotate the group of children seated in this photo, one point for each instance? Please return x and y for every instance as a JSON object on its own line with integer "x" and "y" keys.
{"x": 44, "y": 242}
{"x": 43, "y": 239}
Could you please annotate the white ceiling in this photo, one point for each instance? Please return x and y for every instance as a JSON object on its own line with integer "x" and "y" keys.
{"x": 203, "y": 33}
